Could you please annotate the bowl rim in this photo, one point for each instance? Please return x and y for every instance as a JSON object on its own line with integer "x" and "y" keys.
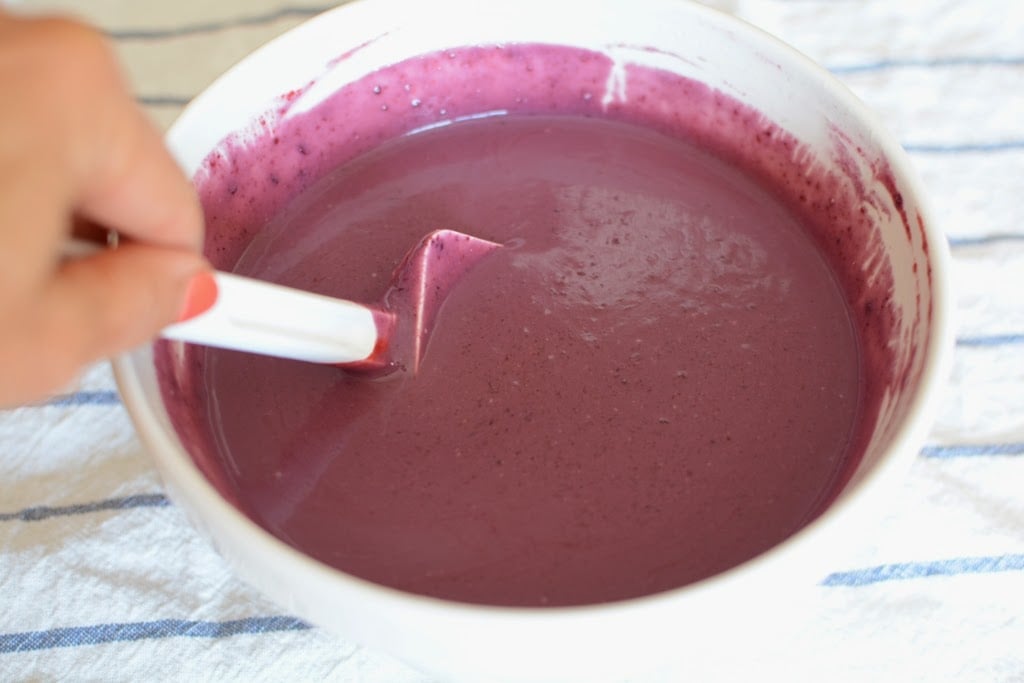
{"x": 188, "y": 486}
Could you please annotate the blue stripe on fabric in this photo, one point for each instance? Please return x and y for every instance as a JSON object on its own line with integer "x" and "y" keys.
{"x": 214, "y": 26}
{"x": 904, "y": 571}
{"x": 77, "y": 636}
{"x": 86, "y": 398}
{"x": 35, "y": 514}
{"x": 162, "y": 100}
{"x": 970, "y": 450}
{"x": 984, "y": 239}
{"x": 935, "y": 63}
{"x": 964, "y": 148}
{"x": 991, "y": 340}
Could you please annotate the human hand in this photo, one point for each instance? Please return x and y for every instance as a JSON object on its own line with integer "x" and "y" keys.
{"x": 75, "y": 149}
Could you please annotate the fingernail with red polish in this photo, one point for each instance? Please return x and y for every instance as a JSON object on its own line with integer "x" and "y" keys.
{"x": 201, "y": 295}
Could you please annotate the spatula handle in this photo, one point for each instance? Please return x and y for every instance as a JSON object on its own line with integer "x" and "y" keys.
{"x": 259, "y": 317}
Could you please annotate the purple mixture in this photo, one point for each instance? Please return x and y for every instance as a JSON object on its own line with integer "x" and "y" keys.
{"x": 664, "y": 373}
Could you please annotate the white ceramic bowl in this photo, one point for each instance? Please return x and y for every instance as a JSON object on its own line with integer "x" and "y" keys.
{"x": 478, "y": 643}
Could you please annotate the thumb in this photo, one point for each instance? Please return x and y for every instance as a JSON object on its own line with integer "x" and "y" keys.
{"x": 115, "y": 300}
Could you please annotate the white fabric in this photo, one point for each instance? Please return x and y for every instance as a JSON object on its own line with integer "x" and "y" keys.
{"x": 121, "y": 588}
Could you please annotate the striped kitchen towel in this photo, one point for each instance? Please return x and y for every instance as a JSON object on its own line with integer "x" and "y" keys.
{"x": 101, "y": 578}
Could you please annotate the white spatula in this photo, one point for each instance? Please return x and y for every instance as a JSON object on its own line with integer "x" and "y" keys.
{"x": 260, "y": 317}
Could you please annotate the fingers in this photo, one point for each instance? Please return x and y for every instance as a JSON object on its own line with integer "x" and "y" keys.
{"x": 137, "y": 187}
{"x": 118, "y": 299}
{"x": 76, "y": 148}
{"x": 79, "y": 119}
{"x": 112, "y": 302}
{"x": 95, "y": 307}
